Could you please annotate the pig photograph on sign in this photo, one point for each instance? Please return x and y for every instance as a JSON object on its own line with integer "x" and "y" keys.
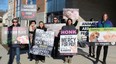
{"x": 70, "y": 13}
{"x": 102, "y": 36}
{"x": 19, "y": 34}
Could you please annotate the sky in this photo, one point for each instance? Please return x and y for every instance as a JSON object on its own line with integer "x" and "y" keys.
{"x": 3, "y": 5}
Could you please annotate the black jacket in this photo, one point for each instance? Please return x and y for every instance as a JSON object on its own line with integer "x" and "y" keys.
{"x": 9, "y": 36}
{"x": 45, "y": 29}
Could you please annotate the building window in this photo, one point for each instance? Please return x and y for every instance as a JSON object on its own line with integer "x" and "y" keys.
{"x": 31, "y": 2}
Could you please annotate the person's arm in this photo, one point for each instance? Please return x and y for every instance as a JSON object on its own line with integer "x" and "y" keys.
{"x": 111, "y": 24}
{"x": 76, "y": 22}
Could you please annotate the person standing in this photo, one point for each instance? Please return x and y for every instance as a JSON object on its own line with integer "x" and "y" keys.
{"x": 56, "y": 39}
{"x": 32, "y": 27}
{"x": 69, "y": 26}
{"x": 103, "y": 23}
{"x": 39, "y": 57}
{"x": 14, "y": 48}
{"x": 91, "y": 45}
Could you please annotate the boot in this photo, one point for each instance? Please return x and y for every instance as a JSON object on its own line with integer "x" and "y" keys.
{"x": 18, "y": 63}
{"x": 43, "y": 61}
{"x": 0, "y": 57}
{"x": 66, "y": 60}
{"x": 69, "y": 60}
{"x": 37, "y": 61}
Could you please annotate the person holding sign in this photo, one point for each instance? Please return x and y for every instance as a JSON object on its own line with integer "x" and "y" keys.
{"x": 14, "y": 48}
{"x": 39, "y": 57}
{"x": 32, "y": 27}
{"x": 68, "y": 43}
{"x": 104, "y": 22}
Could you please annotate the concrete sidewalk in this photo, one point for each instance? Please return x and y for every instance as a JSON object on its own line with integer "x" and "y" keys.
{"x": 80, "y": 58}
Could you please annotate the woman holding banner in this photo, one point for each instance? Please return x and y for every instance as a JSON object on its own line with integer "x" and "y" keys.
{"x": 103, "y": 23}
{"x": 14, "y": 48}
{"x": 32, "y": 27}
{"x": 69, "y": 26}
{"x": 39, "y": 57}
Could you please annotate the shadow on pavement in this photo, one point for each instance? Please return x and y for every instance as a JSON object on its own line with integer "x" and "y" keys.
{"x": 85, "y": 54}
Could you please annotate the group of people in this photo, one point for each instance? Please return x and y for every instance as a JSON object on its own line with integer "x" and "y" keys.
{"x": 15, "y": 48}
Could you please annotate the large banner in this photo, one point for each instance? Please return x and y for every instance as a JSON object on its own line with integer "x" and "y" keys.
{"x": 84, "y": 30}
{"x": 43, "y": 43}
{"x": 70, "y": 13}
{"x": 15, "y": 35}
{"x": 28, "y": 12}
{"x": 54, "y": 27}
{"x": 68, "y": 42}
{"x": 102, "y": 36}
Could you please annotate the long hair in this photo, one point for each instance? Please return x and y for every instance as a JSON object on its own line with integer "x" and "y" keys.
{"x": 43, "y": 24}
{"x": 102, "y": 19}
{"x": 68, "y": 20}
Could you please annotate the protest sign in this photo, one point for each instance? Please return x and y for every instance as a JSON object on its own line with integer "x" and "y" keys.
{"x": 54, "y": 27}
{"x": 68, "y": 42}
{"x": 15, "y": 35}
{"x": 71, "y": 13}
{"x": 43, "y": 43}
{"x": 83, "y": 30}
{"x": 28, "y": 12}
{"x": 102, "y": 36}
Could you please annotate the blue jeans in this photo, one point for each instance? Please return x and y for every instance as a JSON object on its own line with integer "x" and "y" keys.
{"x": 13, "y": 51}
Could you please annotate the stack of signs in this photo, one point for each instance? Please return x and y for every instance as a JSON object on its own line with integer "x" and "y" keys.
{"x": 43, "y": 43}
{"x": 68, "y": 42}
{"x": 102, "y": 36}
{"x": 84, "y": 28}
{"x": 15, "y": 35}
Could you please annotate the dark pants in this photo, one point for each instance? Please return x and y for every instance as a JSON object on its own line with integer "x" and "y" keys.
{"x": 39, "y": 57}
{"x": 99, "y": 50}
{"x": 13, "y": 51}
{"x": 55, "y": 48}
{"x": 91, "y": 50}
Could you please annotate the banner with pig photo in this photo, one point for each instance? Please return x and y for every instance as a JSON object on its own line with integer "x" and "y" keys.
{"x": 43, "y": 43}
{"x": 102, "y": 36}
{"x": 68, "y": 42}
{"x": 15, "y": 35}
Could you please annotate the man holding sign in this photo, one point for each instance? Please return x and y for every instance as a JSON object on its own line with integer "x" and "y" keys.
{"x": 68, "y": 41}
